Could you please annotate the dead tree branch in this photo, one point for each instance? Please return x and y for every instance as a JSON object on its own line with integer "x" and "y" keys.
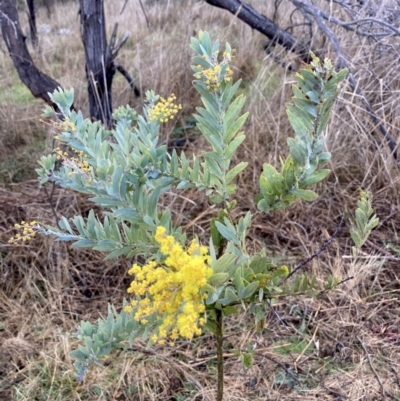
{"x": 38, "y": 83}
{"x": 128, "y": 77}
{"x": 257, "y": 21}
{"x": 113, "y": 49}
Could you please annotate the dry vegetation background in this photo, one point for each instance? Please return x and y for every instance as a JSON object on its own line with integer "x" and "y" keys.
{"x": 342, "y": 345}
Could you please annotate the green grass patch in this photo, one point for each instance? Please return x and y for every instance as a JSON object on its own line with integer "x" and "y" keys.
{"x": 20, "y": 165}
{"x": 46, "y": 381}
{"x": 294, "y": 346}
{"x": 17, "y": 94}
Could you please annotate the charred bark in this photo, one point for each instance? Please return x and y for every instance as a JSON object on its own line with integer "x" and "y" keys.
{"x": 257, "y": 21}
{"x": 32, "y": 22}
{"x": 100, "y": 64}
{"x": 100, "y": 68}
{"x": 38, "y": 83}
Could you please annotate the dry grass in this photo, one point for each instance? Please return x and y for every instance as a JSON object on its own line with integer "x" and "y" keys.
{"x": 321, "y": 352}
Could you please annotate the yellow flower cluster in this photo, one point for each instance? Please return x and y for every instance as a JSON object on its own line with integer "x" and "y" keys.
{"x": 172, "y": 292}
{"x": 164, "y": 109}
{"x": 66, "y": 125}
{"x": 76, "y": 163}
{"x": 213, "y": 76}
{"x": 28, "y": 232}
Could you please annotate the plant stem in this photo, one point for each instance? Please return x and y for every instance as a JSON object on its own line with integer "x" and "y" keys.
{"x": 220, "y": 358}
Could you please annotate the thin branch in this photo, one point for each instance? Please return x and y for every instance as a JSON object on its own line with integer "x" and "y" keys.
{"x": 327, "y": 243}
{"x": 370, "y": 20}
{"x": 119, "y": 45}
{"x": 11, "y": 22}
{"x": 277, "y": 59}
{"x": 144, "y": 13}
{"x": 281, "y": 365}
{"x": 123, "y": 7}
{"x": 345, "y": 280}
{"x": 128, "y": 77}
{"x": 113, "y": 39}
{"x": 50, "y": 200}
{"x": 384, "y": 392}
{"x": 347, "y": 24}
{"x": 277, "y": 314}
{"x": 93, "y": 82}
{"x": 113, "y": 48}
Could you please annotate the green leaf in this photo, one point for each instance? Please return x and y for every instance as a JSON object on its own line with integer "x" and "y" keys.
{"x": 208, "y": 99}
{"x": 218, "y": 278}
{"x": 213, "y": 166}
{"x": 210, "y": 114}
{"x": 305, "y": 194}
{"x": 64, "y": 225}
{"x": 250, "y": 290}
{"x": 231, "y": 148}
{"x": 304, "y": 284}
{"x": 298, "y": 153}
{"x": 361, "y": 219}
{"x": 315, "y": 177}
{"x": 356, "y": 238}
{"x": 235, "y": 171}
{"x": 325, "y": 114}
{"x": 118, "y": 252}
{"x": 231, "y": 295}
{"x": 259, "y": 316}
{"x": 211, "y": 325}
{"x": 79, "y": 354}
{"x": 282, "y": 271}
{"x": 247, "y": 360}
{"x": 231, "y": 115}
{"x": 223, "y": 263}
{"x": 263, "y": 205}
{"x": 271, "y": 182}
{"x": 227, "y": 233}
{"x": 339, "y": 76}
{"x": 84, "y": 243}
{"x": 196, "y": 169}
{"x": 229, "y": 310}
{"x": 288, "y": 173}
{"x": 372, "y": 223}
{"x": 300, "y": 121}
{"x": 206, "y": 42}
{"x": 215, "y": 234}
{"x": 235, "y": 127}
{"x": 229, "y": 92}
{"x": 296, "y": 285}
{"x": 216, "y": 198}
{"x": 324, "y": 157}
{"x": 306, "y": 105}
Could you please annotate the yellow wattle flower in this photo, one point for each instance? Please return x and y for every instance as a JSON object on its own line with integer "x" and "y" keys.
{"x": 164, "y": 109}
{"x": 172, "y": 291}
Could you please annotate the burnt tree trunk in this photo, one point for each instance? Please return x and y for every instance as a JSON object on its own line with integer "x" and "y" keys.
{"x": 100, "y": 68}
{"x": 38, "y": 83}
{"x": 32, "y": 21}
